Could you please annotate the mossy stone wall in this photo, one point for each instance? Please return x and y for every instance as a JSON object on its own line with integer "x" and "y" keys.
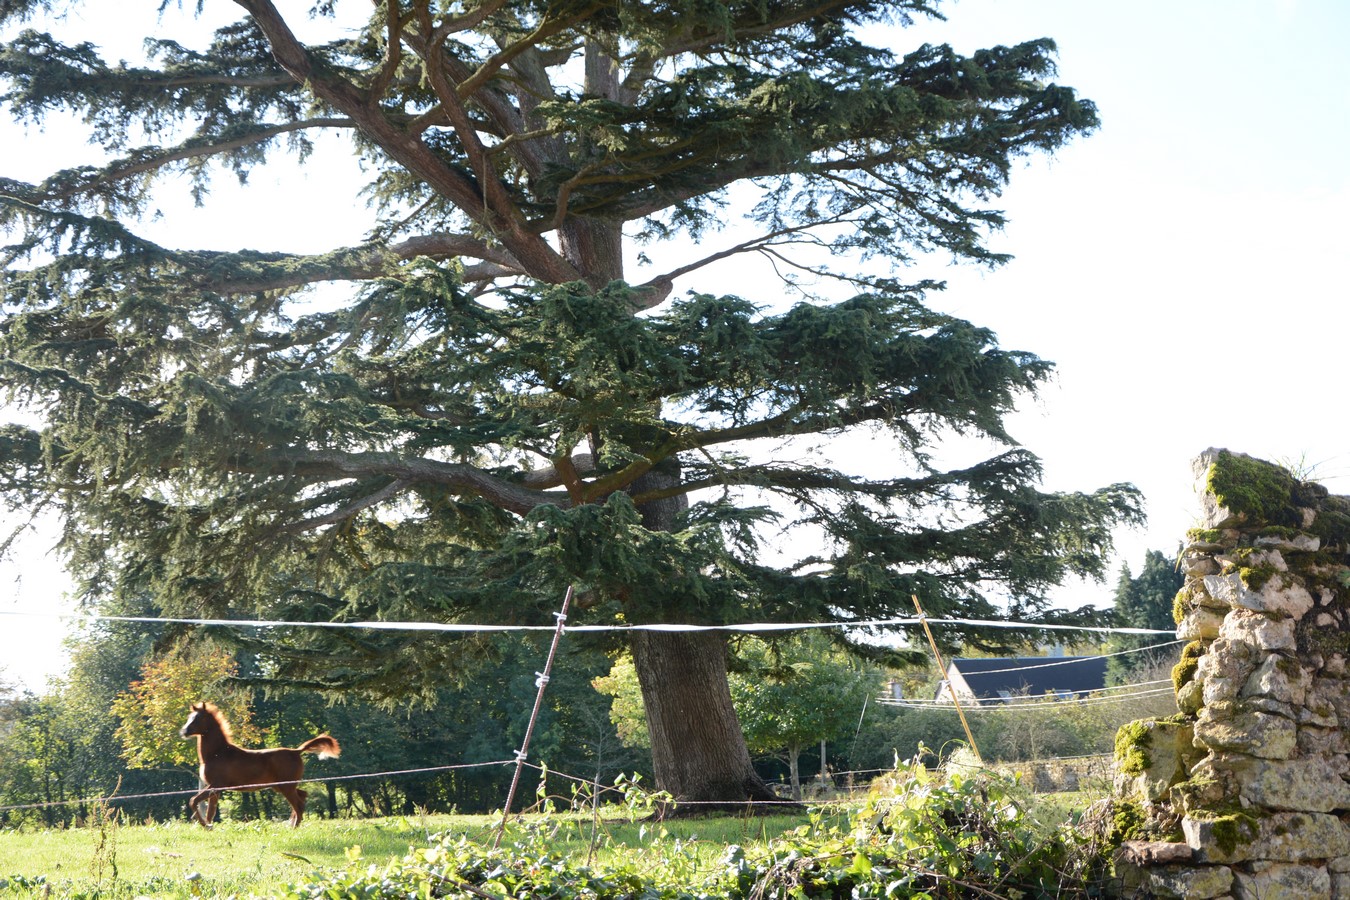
{"x": 1251, "y": 797}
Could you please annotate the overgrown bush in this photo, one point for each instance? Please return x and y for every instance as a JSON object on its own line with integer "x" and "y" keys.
{"x": 920, "y": 834}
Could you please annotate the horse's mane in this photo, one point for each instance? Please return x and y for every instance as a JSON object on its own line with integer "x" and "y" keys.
{"x": 214, "y": 712}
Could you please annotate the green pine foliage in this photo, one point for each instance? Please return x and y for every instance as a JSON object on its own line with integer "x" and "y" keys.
{"x": 1144, "y": 602}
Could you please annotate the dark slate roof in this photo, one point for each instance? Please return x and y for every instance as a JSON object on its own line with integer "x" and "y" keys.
{"x": 1032, "y": 676}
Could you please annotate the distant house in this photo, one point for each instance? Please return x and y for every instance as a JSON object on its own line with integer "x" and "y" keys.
{"x": 986, "y": 682}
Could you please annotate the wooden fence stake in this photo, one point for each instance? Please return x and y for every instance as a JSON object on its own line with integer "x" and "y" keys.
{"x": 942, "y": 673}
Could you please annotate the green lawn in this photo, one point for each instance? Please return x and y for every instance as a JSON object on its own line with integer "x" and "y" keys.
{"x": 180, "y": 859}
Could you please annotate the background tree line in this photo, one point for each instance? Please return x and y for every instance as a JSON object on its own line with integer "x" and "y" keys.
{"x": 111, "y": 723}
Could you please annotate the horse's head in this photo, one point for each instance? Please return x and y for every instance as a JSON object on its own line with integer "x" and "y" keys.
{"x": 196, "y": 722}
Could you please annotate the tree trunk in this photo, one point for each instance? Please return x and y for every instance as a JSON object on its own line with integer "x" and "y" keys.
{"x": 699, "y": 755}
{"x": 794, "y": 772}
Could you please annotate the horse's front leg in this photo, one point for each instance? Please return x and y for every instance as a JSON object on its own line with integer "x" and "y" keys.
{"x": 196, "y": 814}
{"x": 212, "y": 803}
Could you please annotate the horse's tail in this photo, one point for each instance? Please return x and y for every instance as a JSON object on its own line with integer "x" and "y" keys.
{"x": 325, "y": 745}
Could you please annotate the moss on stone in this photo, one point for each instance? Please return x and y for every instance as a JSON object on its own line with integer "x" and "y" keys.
{"x": 1233, "y": 828}
{"x": 1256, "y": 577}
{"x": 1332, "y": 526}
{"x": 1181, "y": 605}
{"x": 1327, "y": 641}
{"x": 1183, "y": 673}
{"x": 1129, "y": 820}
{"x": 1261, "y": 491}
{"x": 1132, "y": 747}
{"x": 1279, "y": 531}
{"x": 1205, "y": 536}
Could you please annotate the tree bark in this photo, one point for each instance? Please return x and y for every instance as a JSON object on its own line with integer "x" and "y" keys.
{"x": 699, "y": 754}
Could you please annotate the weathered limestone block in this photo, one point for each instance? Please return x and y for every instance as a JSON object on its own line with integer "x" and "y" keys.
{"x": 1329, "y": 697}
{"x": 1199, "y": 566}
{"x": 1225, "y": 668}
{"x": 1193, "y": 594}
{"x": 1200, "y": 624}
{"x": 1299, "y": 543}
{"x": 1340, "y": 886}
{"x": 1227, "y": 726}
{"x": 1282, "y": 881}
{"x": 1210, "y": 786}
{"x": 1151, "y": 756}
{"x": 1261, "y": 631}
{"x": 1328, "y": 742}
{"x": 1191, "y": 697}
{"x": 1154, "y": 853}
{"x": 1254, "y": 559}
{"x": 1316, "y": 718}
{"x": 1281, "y": 593}
{"x": 1307, "y": 785}
{"x": 1278, "y": 678}
{"x": 1274, "y": 707}
{"x": 1187, "y": 882}
{"x": 1285, "y": 593}
{"x": 1164, "y": 869}
{"x": 1276, "y": 837}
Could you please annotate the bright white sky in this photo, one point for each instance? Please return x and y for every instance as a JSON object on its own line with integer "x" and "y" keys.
{"x": 1183, "y": 267}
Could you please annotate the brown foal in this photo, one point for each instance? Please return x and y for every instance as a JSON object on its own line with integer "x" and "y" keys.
{"x": 226, "y": 766}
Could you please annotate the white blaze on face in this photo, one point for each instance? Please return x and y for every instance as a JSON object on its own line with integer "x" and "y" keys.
{"x": 183, "y": 732}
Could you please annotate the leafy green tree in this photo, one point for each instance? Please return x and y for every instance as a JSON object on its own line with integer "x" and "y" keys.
{"x": 796, "y": 694}
{"x": 620, "y": 684}
{"x": 60, "y": 746}
{"x": 55, "y": 751}
{"x": 488, "y": 402}
{"x": 1143, "y": 602}
{"x": 154, "y": 708}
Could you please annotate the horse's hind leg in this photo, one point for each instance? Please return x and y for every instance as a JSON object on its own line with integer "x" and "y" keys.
{"x": 296, "y": 798}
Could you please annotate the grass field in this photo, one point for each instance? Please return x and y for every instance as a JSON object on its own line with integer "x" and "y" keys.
{"x": 121, "y": 861}
{"x": 180, "y": 859}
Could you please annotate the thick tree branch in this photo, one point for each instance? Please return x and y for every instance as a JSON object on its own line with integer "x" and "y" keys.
{"x": 453, "y": 476}
{"x": 505, "y": 119}
{"x": 534, "y": 253}
{"x": 540, "y": 479}
{"x": 388, "y": 492}
{"x": 393, "y": 49}
{"x": 279, "y": 271}
{"x": 452, "y": 104}
{"x": 470, "y": 20}
{"x": 549, "y": 27}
